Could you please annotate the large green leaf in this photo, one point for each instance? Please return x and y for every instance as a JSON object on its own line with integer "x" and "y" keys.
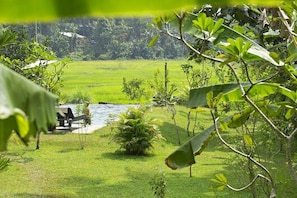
{"x": 289, "y": 93}
{"x": 44, "y": 10}
{"x": 25, "y": 107}
{"x": 185, "y": 155}
{"x": 238, "y": 119}
{"x": 231, "y": 92}
{"x": 258, "y": 92}
{"x": 255, "y": 49}
{"x": 198, "y": 95}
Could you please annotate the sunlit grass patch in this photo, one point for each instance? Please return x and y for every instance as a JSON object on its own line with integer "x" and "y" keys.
{"x": 103, "y": 80}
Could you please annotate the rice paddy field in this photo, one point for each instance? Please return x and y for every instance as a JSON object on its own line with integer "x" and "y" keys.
{"x": 102, "y": 81}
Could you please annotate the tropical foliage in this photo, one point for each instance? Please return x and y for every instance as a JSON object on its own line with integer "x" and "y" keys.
{"x": 31, "y": 59}
{"x": 136, "y": 133}
{"x": 226, "y": 36}
{"x": 27, "y": 109}
{"x": 240, "y": 46}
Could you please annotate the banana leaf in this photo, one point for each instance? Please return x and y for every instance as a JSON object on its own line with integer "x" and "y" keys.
{"x": 198, "y": 95}
{"x": 25, "y": 107}
{"x": 185, "y": 155}
{"x": 231, "y": 92}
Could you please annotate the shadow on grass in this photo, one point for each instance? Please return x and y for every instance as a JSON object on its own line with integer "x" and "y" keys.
{"x": 18, "y": 157}
{"x": 70, "y": 150}
{"x": 58, "y": 132}
{"x": 26, "y": 195}
{"x": 178, "y": 185}
{"x": 123, "y": 156}
{"x": 168, "y": 131}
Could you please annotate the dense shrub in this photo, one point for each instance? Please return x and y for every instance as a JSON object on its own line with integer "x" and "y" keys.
{"x": 135, "y": 132}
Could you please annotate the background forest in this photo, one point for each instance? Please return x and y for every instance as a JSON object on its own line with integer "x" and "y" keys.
{"x": 99, "y": 38}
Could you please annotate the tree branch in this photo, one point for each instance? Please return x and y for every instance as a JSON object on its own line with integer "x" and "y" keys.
{"x": 244, "y": 93}
{"x": 248, "y": 100}
{"x": 248, "y": 185}
{"x": 215, "y": 120}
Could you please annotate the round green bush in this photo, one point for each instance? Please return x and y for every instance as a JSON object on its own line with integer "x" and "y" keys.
{"x": 135, "y": 133}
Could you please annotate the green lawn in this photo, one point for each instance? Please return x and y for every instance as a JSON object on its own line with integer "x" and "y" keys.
{"x": 61, "y": 169}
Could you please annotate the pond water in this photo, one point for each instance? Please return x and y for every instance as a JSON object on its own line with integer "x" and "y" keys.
{"x": 101, "y": 114}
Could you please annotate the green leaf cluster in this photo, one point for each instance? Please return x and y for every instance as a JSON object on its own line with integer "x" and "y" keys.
{"x": 136, "y": 133}
{"x": 220, "y": 180}
{"x": 133, "y": 88}
{"x": 159, "y": 185}
{"x": 237, "y": 49}
{"x": 208, "y": 28}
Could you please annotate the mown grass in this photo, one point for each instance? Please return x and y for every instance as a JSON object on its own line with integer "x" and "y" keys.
{"x": 60, "y": 168}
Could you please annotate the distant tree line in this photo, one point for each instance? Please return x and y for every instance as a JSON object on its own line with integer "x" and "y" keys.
{"x": 100, "y": 38}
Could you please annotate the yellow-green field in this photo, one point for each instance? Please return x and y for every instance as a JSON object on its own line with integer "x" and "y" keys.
{"x": 102, "y": 81}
